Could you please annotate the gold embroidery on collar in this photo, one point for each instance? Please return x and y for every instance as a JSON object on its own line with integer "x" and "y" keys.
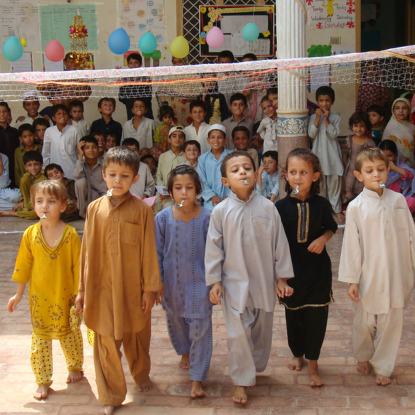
{"x": 303, "y": 222}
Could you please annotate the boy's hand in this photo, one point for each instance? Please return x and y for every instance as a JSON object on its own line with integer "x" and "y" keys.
{"x": 81, "y": 145}
{"x": 326, "y": 114}
{"x": 13, "y": 302}
{"x": 317, "y": 246}
{"x": 261, "y": 169}
{"x": 16, "y": 207}
{"x": 353, "y": 293}
{"x": 79, "y": 302}
{"x": 147, "y": 301}
{"x": 319, "y": 113}
{"x": 21, "y": 118}
{"x": 283, "y": 289}
{"x": 159, "y": 295}
{"x": 215, "y": 200}
{"x": 215, "y": 293}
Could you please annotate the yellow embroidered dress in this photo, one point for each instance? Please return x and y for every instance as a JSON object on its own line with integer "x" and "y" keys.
{"x": 54, "y": 277}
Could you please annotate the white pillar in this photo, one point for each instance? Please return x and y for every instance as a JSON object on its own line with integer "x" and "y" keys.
{"x": 291, "y": 19}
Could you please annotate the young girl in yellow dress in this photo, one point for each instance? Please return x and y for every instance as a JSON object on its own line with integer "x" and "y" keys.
{"x": 49, "y": 258}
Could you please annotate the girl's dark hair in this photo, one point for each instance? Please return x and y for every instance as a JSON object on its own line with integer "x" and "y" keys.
{"x": 360, "y": 116}
{"x": 165, "y": 110}
{"x": 389, "y": 145}
{"x": 310, "y": 158}
{"x": 181, "y": 170}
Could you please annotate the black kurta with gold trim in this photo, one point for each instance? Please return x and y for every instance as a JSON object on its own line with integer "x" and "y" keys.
{"x": 303, "y": 223}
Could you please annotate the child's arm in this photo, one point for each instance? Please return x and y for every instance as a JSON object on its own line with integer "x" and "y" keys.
{"x": 72, "y": 144}
{"x": 333, "y": 128}
{"x": 78, "y": 170}
{"x": 259, "y": 178}
{"x": 207, "y": 192}
{"x": 399, "y": 170}
{"x": 353, "y": 293}
{"x": 318, "y": 244}
{"x": 15, "y": 300}
{"x": 313, "y": 125}
{"x": 46, "y": 149}
{"x": 150, "y": 184}
{"x": 159, "y": 221}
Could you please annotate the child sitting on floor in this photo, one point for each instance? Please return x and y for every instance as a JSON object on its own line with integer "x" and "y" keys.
{"x": 268, "y": 181}
{"x": 48, "y": 258}
{"x": 377, "y": 260}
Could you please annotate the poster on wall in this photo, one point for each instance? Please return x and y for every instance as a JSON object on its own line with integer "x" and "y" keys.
{"x": 20, "y": 18}
{"x": 137, "y": 17}
{"x": 329, "y": 14}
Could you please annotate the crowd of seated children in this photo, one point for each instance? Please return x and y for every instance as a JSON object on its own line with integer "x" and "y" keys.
{"x": 208, "y": 167}
{"x": 110, "y": 141}
{"x": 54, "y": 172}
{"x": 89, "y": 184}
{"x": 161, "y": 134}
{"x": 191, "y": 150}
{"x": 27, "y": 140}
{"x": 241, "y": 141}
{"x": 166, "y": 163}
{"x": 106, "y": 124}
{"x": 31, "y": 105}
{"x": 33, "y": 163}
{"x": 139, "y": 127}
{"x": 198, "y": 129}
{"x": 145, "y": 186}
{"x": 76, "y": 112}
{"x": 268, "y": 180}
{"x": 61, "y": 141}
{"x": 39, "y": 126}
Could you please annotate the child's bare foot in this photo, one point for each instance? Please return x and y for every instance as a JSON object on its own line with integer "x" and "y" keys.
{"x": 315, "y": 378}
{"x": 363, "y": 367}
{"x": 145, "y": 386}
{"x": 41, "y": 392}
{"x": 296, "y": 364}
{"x": 340, "y": 216}
{"x": 184, "y": 362}
{"x": 197, "y": 390}
{"x": 382, "y": 380}
{"x": 240, "y": 395}
{"x": 107, "y": 410}
{"x": 74, "y": 376}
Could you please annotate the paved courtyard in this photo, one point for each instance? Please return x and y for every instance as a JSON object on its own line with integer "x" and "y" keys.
{"x": 279, "y": 390}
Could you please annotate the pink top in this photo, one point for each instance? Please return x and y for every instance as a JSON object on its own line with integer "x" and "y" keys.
{"x": 395, "y": 185}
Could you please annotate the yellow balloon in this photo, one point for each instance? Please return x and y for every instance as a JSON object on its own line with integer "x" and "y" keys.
{"x": 179, "y": 48}
{"x": 23, "y": 42}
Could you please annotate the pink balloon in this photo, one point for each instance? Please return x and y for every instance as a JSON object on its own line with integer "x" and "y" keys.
{"x": 54, "y": 51}
{"x": 215, "y": 37}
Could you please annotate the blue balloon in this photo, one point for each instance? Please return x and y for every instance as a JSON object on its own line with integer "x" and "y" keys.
{"x": 12, "y": 49}
{"x": 250, "y": 32}
{"x": 119, "y": 41}
{"x": 147, "y": 43}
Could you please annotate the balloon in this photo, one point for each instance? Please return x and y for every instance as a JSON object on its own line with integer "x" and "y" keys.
{"x": 179, "y": 48}
{"x": 23, "y": 42}
{"x": 12, "y": 49}
{"x": 215, "y": 37}
{"x": 54, "y": 51}
{"x": 250, "y": 32}
{"x": 147, "y": 43}
{"x": 119, "y": 41}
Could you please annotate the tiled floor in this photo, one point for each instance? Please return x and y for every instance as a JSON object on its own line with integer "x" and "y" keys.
{"x": 279, "y": 390}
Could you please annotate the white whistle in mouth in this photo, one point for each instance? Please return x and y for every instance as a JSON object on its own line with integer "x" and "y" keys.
{"x": 246, "y": 182}
{"x": 179, "y": 205}
{"x": 109, "y": 193}
{"x": 295, "y": 191}
{"x": 44, "y": 216}
{"x": 382, "y": 185}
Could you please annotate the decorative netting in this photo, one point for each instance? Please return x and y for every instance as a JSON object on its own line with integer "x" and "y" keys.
{"x": 394, "y": 68}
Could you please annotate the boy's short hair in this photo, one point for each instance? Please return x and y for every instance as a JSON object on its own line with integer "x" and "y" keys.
{"x": 271, "y": 153}
{"x": 325, "y": 90}
{"x": 238, "y": 96}
{"x": 112, "y": 135}
{"x": 148, "y": 156}
{"x": 226, "y": 54}
{"x": 192, "y": 142}
{"x": 76, "y": 104}
{"x": 249, "y": 55}
{"x": 197, "y": 103}
{"x": 137, "y": 56}
{"x": 184, "y": 169}
{"x": 32, "y": 155}
{"x": 40, "y": 121}
{"x": 5, "y": 105}
{"x": 370, "y": 153}
{"x": 90, "y": 139}
{"x": 236, "y": 153}
{"x": 106, "y": 99}
{"x": 25, "y": 127}
{"x": 360, "y": 116}
{"x": 240, "y": 128}
{"x": 131, "y": 142}
{"x": 122, "y": 155}
{"x": 143, "y": 100}
{"x": 378, "y": 109}
{"x": 51, "y": 187}
{"x": 52, "y": 166}
{"x": 272, "y": 91}
{"x": 59, "y": 107}
{"x": 165, "y": 110}
{"x": 264, "y": 98}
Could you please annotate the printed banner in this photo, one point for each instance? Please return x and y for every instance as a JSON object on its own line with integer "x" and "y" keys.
{"x": 328, "y": 14}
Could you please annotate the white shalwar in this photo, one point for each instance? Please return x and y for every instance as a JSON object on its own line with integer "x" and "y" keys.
{"x": 378, "y": 254}
{"x": 247, "y": 251}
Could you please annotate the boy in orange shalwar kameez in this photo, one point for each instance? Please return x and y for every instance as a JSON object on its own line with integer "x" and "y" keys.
{"x": 118, "y": 278}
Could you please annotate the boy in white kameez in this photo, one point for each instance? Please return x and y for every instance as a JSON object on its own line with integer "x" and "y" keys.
{"x": 378, "y": 260}
{"x": 247, "y": 262}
